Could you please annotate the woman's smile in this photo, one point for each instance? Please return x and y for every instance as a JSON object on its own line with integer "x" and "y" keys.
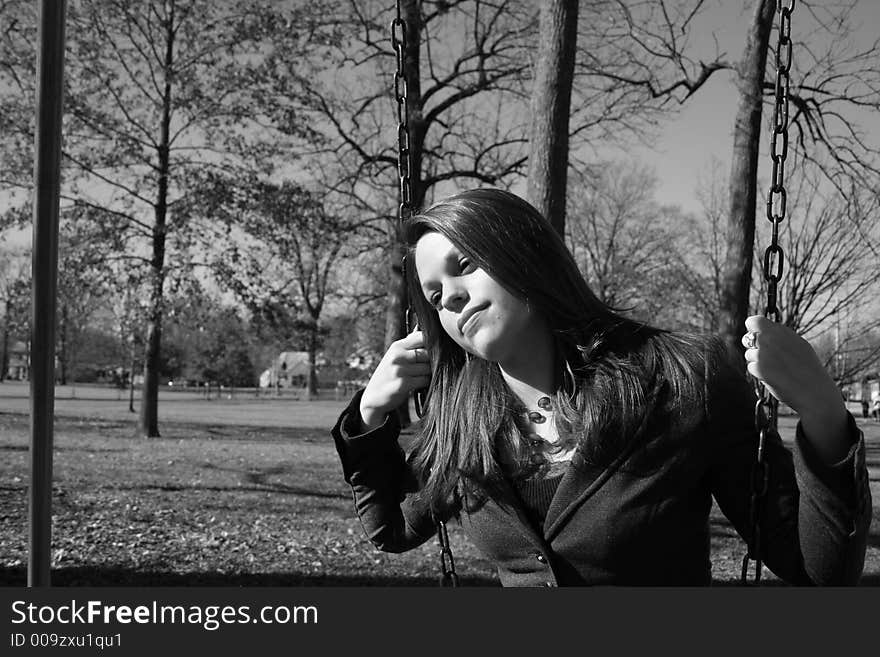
{"x": 469, "y": 318}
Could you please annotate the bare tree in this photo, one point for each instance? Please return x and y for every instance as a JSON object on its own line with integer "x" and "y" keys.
{"x": 551, "y": 109}
{"x": 465, "y": 67}
{"x": 626, "y": 244}
{"x": 283, "y": 265}
{"x": 468, "y": 69}
{"x": 466, "y": 64}
{"x": 830, "y": 274}
{"x": 744, "y": 177}
{"x": 850, "y": 353}
{"x": 835, "y": 86}
{"x": 834, "y": 83}
{"x": 635, "y": 66}
{"x": 642, "y": 51}
{"x": 703, "y": 252}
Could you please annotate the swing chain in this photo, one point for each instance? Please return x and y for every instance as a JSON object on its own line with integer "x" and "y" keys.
{"x": 774, "y": 258}
{"x": 767, "y": 405}
{"x": 448, "y": 576}
{"x": 404, "y": 159}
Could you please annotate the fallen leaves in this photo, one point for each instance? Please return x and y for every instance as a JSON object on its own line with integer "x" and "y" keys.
{"x": 269, "y": 509}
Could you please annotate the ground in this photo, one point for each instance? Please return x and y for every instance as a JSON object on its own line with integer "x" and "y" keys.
{"x": 236, "y": 491}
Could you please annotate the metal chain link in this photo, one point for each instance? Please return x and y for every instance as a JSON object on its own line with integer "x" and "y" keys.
{"x": 766, "y": 408}
{"x": 448, "y": 576}
{"x": 404, "y": 160}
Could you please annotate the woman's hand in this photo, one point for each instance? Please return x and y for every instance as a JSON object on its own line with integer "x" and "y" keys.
{"x": 405, "y": 367}
{"x": 792, "y": 372}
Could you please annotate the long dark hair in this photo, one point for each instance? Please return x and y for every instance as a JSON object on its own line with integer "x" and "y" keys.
{"x": 613, "y": 374}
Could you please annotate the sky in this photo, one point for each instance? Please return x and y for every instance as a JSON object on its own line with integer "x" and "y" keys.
{"x": 702, "y": 130}
{"x": 700, "y": 134}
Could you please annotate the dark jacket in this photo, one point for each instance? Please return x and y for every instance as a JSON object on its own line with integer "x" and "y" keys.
{"x": 643, "y": 520}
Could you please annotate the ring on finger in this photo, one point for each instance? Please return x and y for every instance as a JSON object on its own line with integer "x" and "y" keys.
{"x": 750, "y": 340}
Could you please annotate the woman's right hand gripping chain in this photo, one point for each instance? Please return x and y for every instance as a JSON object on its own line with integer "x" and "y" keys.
{"x": 405, "y": 367}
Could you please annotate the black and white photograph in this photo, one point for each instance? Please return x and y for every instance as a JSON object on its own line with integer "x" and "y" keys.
{"x": 438, "y": 294}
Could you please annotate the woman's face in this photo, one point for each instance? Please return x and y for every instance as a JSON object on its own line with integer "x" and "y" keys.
{"x": 475, "y": 311}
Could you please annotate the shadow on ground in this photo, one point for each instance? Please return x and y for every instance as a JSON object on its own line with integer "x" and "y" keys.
{"x": 17, "y": 577}
{"x": 122, "y": 577}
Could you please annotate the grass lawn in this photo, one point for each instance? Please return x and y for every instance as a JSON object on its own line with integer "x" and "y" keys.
{"x": 213, "y": 502}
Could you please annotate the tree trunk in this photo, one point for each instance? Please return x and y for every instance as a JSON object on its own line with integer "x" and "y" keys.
{"x": 131, "y": 380}
{"x": 62, "y": 335}
{"x": 150, "y": 394}
{"x": 736, "y": 278}
{"x": 149, "y": 417}
{"x": 395, "y": 317}
{"x": 551, "y": 109}
{"x": 4, "y": 364}
{"x": 312, "y": 380}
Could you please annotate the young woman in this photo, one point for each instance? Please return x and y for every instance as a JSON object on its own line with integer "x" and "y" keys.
{"x": 576, "y": 446}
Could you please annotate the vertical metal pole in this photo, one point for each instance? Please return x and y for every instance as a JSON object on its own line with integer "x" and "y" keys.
{"x": 47, "y": 174}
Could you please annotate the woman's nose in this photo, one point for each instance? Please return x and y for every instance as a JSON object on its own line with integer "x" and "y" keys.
{"x": 454, "y": 297}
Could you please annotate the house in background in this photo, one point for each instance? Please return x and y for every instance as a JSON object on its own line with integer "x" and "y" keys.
{"x": 19, "y": 367}
{"x": 289, "y": 370}
{"x": 868, "y": 388}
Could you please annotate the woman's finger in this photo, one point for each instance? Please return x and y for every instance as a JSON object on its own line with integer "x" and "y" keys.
{"x": 754, "y": 369}
{"x": 415, "y": 369}
{"x": 757, "y": 323}
{"x": 420, "y": 355}
{"x": 414, "y": 340}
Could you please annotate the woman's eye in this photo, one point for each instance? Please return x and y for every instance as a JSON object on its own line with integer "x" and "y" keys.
{"x": 434, "y": 299}
{"x": 465, "y": 266}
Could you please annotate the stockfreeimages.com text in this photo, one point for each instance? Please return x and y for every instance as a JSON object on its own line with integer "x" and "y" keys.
{"x": 211, "y": 617}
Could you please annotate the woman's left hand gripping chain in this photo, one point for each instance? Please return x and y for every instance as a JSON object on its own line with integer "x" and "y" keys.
{"x": 792, "y": 372}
